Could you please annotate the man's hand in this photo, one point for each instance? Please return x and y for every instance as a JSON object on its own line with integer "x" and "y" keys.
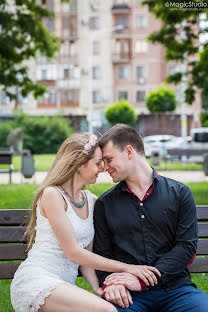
{"x": 119, "y": 295}
{"x": 128, "y": 280}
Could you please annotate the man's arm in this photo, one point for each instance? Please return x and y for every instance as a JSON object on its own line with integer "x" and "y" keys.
{"x": 103, "y": 238}
{"x": 176, "y": 260}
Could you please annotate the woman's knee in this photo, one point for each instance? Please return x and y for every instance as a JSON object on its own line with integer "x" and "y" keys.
{"x": 110, "y": 308}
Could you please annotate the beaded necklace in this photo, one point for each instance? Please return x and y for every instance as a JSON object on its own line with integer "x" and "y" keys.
{"x": 73, "y": 201}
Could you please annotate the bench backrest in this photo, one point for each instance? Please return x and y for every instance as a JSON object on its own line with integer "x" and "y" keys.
{"x": 6, "y": 155}
{"x": 12, "y": 247}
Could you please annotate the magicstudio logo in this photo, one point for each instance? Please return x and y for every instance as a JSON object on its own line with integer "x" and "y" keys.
{"x": 186, "y": 5}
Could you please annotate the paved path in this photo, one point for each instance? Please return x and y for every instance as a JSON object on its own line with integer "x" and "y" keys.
{"x": 183, "y": 176}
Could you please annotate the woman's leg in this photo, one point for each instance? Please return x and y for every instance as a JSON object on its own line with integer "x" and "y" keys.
{"x": 69, "y": 298}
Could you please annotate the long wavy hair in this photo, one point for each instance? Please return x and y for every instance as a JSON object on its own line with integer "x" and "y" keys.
{"x": 69, "y": 158}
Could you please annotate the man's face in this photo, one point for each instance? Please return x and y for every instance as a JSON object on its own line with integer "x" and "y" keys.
{"x": 115, "y": 162}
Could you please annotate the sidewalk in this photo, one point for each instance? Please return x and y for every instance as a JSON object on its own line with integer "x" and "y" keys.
{"x": 180, "y": 175}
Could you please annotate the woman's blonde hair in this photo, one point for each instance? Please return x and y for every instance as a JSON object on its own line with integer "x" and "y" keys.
{"x": 69, "y": 158}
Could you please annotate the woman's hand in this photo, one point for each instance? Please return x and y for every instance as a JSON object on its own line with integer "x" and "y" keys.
{"x": 99, "y": 291}
{"x": 146, "y": 273}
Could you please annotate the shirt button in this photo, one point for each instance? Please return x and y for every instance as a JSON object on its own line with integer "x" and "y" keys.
{"x": 142, "y": 216}
{"x": 141, "y": 204}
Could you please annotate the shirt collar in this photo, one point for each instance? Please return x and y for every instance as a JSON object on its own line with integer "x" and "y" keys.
{"x": 123, "y": 185}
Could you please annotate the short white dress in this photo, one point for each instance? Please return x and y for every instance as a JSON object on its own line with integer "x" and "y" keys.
{"x": 47, "y": 265}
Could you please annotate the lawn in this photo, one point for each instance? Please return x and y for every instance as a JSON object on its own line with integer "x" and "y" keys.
{"x": 43, "y": 163}
{"x": 21, "y": 195}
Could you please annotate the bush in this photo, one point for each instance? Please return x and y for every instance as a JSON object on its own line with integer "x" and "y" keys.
{"x": 162, "y": 99}
{"x": 204, "y": 118}
{"x": 5, "y": 128}
{"x": 42, "y": 135}
{"x": 121, "y": 112}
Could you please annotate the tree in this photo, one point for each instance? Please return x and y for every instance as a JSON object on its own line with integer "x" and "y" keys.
{"x": 22, "y": 37}
{"x": 177, "y": 17}
{"x": 121, "y": 112}
{"x": 162, "y": 99}
{"x": 53, "y": 129}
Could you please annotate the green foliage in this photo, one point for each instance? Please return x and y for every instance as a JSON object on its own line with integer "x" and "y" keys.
{"x": 5, "y": 128}
{"x": 22, "y": 37}
{"x": 121, "y": 112}
{"x": 178, "y": 17}
{"x": 42, "y": 135}
{"x": 204, "y": 118}
{"x": 162, "y": 99}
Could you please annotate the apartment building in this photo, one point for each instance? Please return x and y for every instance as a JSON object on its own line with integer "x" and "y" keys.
{"x": 97, "y": 64}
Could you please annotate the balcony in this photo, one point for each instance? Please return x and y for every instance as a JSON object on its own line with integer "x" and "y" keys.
{"x": 46, "y": 105}
{"x": 121, "y": 57}
{"x": 70, "y": 84}
{"x": 47, "y": 83}
{"x": 120, "y": 8}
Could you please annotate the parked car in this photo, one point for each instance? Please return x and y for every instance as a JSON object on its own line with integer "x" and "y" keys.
{"x": 199, "y": 137}
{"x": 157, "y": 143}
{"x": 180, "y": 143}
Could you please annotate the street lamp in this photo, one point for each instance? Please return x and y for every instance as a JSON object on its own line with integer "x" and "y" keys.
{"x": 90, "y": 73}
{"x": 183, "y": 87}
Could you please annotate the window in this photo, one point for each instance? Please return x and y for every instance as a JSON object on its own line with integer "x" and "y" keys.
{"x": 50, "y": 5}
{"x": 66, "y": 73}
{"x": 140, "y": 95}
{"x": 65, "y": 22}
{"x": 123, "y": 20}
{"x": 141, "y": 21}
{"x": 50, "y": 24}
{"x": 94, "y": 23}
{"x": 44, "y": 74}
{"x": 96, "y": 47}
{"x": 123, "y": 72}
{"x": 96, "y": 72}
{"x": 122, "y": 95}
{"x": 4, "y": 99}
{"x": 73, "y": 25}
{"x": 52, "y": 97}
{"x": 74, "y": 5}
{"x": 96, "y": 97}
{"x": 140, "y": 73}
{"x": 140, "y": 46}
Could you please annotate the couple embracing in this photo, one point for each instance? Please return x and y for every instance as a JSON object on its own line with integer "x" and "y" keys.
{"x": 133, "y": 244}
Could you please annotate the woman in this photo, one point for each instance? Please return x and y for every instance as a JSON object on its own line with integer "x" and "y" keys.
{"x": 60, "y": 235}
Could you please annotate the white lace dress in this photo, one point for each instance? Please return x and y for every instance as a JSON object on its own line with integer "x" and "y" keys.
{"x": 47, "y": 265}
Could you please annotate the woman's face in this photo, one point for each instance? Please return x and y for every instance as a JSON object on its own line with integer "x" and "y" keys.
{"x": 91, "y": 169}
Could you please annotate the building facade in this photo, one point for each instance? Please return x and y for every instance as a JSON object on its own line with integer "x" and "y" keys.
{"x": 98, "y": 64}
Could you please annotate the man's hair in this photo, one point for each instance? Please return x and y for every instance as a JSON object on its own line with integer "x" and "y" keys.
{"x": 122, "y": 135}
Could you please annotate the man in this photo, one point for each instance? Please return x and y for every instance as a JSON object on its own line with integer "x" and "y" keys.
{"x": 145, "y": 219}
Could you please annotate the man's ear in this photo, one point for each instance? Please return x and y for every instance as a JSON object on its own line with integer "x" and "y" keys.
{"x": 130, "y": 151}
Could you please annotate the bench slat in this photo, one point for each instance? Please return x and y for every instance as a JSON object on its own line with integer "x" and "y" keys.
{"x": 13, "y": 216}
{"x": 13, "y": 252}
{"x": 12, "y": 234}
{"x": 203, "y": 230}
{"x": 200, "y": 265}
{"x": 202, "y": 247}
{"x": 18, "y": 216}
{"x": 7, "y": 270}
{"x": 202, "y": 213}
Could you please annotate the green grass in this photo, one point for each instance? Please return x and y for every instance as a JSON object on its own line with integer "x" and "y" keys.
{"x": 21, "y": 195}
{"x": 44, "y": 162}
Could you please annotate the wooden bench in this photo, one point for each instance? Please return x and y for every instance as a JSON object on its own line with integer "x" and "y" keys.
{"x": 13, "y": 248}
{"x": 6, "y": 158}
